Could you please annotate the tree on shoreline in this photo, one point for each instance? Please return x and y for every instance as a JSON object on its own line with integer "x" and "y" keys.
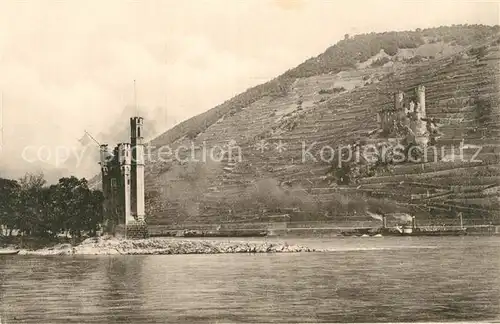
{"x": 9, "y": 204}
{"x": 30, "y": 207}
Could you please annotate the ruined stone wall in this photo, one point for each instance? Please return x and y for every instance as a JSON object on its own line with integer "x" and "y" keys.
{"x": 113, "y": 188}
{"x": 406, "y": 117}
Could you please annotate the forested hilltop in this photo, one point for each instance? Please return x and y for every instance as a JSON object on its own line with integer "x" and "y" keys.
{"x": 342, "y": 56}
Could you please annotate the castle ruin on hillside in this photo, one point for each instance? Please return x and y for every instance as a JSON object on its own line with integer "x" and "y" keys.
{"x": 406, "y": 116}
{"x": 123, "y": 184}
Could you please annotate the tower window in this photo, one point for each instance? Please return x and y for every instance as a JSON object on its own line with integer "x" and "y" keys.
{"x": 138, "y": 132}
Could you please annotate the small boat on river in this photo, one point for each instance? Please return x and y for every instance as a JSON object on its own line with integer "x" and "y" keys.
{"x": 8, "y": 252}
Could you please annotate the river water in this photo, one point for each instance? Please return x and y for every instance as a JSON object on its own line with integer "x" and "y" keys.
{"x": 360, "y": 280}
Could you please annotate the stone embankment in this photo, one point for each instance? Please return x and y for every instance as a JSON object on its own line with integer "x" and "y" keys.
{"x": 112, "y": 246}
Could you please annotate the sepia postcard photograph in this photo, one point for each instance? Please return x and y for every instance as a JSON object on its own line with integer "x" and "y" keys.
{"x": 249, "y": 161}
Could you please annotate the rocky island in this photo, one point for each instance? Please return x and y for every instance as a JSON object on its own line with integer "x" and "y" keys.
{"x": 114, "y": 246}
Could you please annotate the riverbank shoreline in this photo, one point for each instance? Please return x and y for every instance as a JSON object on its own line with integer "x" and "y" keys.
{"x": 291, "y": 232}
{"x": 155, "y": 246}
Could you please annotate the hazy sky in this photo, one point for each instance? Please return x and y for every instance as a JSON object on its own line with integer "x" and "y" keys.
{"x": 70, "y": 65}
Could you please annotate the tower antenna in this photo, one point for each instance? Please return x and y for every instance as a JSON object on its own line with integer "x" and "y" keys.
{"x": 135, "y": 100}
{"x": 1, "y": 120}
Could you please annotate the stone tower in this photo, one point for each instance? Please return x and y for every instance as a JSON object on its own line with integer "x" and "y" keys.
{"x": 398, "y": 100}
{"x": 137, "y": 190}
{"x": 421, "y": 134}
{"x": 123, "y": 184}
{"x": 124, "y": 158}
{"x": 421, "y": 101}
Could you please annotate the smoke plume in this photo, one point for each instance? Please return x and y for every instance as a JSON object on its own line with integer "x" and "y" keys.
{"x": 376, "y": 216}
{"x": 402, "y": 217}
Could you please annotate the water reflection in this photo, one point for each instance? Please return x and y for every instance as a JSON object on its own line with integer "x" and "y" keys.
{"x": 404, "y": 280}
{"x": 122, "y": 293}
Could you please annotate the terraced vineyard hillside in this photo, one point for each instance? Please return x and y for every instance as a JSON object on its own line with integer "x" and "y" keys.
{"x": 275, "y": 133}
